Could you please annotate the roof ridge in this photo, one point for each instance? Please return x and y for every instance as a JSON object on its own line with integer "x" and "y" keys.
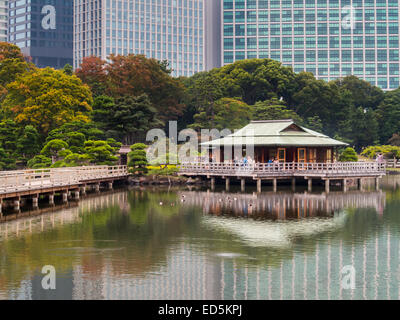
{"x": 267, "y": 121}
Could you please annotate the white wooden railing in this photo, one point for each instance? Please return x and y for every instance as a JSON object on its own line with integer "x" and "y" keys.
{"x": 283, "y": 168}
{"x": 32, "y": 179}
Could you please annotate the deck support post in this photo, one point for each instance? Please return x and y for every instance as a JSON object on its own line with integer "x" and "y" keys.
{"x": 212, "y": 183}
{"x": 274, "y": 184}
{"x": 360, "y": 184}
{"x": 17, "y": 204}
{"x": 242, "y": 184}
{"x": 327, "y": 185}
{"x": 76, "y": 194}
{"x": 97, "y": 187}
{"x": 344, "y": 184}
{"x": 377, "y": 183}
{"x": 110, "y": 185}
{"x": 35, "y": 201}
{"x": 83, "y": 189}
{"x": 1, "y": 208}
{"x": 65, "y": 196}
{"x": 51, "y": 198}
{"x": 309, "y": 184}
{"x": 227, "y": 184}
{"x": 293, "y": 184}
{"x": 258, "y": 185}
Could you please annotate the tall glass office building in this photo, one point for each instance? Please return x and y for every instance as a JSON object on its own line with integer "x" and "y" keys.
{"x": 163, "y": 29}
{"x": 3, "y": 20}
{"x": 330, "y": 38}
{"x": 43, "y": 30}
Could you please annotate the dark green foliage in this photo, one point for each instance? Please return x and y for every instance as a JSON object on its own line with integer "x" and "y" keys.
{"x": 28, "y": 142}
{"x": 348, "y": 155}
{"x": 100, "y": 152}
{"x": 68, "y": 69}
{"x": 39, "y": 161}
{"x": 273, "y": 109}
{"x": 127, "y": 118}
{"x": 137, "y": 158}
{"x": 89, "y": 130}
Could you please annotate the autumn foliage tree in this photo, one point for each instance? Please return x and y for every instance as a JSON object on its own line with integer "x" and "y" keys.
{"x": 134, "y": 75}
{"x": 12, "y": 63}
{"x": 46, "y": 99}
{"x": 92, "y": 72}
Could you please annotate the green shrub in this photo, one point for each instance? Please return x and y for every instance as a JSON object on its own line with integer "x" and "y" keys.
{"x": 348, "y": 155}
{"x": 138, "y": 159}
{"x": 388, "y": 151}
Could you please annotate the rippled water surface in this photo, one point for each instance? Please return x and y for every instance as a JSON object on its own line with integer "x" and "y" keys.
{"x": 197, "y": 244}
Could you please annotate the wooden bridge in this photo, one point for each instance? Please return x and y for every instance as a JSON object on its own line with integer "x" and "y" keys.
{"x": 286, "y": 170}
{"x": 22, "y": 185}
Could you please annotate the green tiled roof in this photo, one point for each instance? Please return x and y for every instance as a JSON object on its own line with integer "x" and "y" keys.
{"x": 276, "y": 133}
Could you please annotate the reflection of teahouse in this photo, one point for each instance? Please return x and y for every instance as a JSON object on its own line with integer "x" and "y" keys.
{"x": 123, "y": 155}
{"x": 283, "y": 140}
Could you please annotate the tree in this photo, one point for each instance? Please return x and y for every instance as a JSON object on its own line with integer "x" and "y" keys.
{"x": 39, "y": 161}
{"x": 137, "y": 158}
{"x": 388, "y": 115}
{"x": 255, "y": 79}
{"x": 53, "y": 149}
{"x": 6, "y": 161}
{"x": 76, "y": 141}
{"x": 360, "y": 128}
{"x": 88, "y": 129}
{"x": 76, "y": 160}
{"x": 100, "y": 152}
{"x": 363, "y": 93}
{"x": 12, "y": 64}
{"x": 28, "y": 143}
{"x": 348, "y": 155}
{"x": 92, "y": 72}
{"x": 314, "y": 123}
{"x": 228, "y": 114}
{"x": 127, "y": 119}
{"x": 206, "y": 90}
{"x": 273, "y": 110}
{"x": 47, "y": 98}
{"x": 68, "y": 69}
{"x": 134, "y": 75}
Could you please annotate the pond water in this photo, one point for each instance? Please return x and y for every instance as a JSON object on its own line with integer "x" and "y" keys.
{"x": 197, "y": 244}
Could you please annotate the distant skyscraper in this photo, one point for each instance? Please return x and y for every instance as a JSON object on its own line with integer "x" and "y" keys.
{"x": 212, "y": 34}
{"x": 3, "y": 20}
{"x": 329, "y": 38}
{"x": 163, "y": 29}
{"x": 43, "y": 29}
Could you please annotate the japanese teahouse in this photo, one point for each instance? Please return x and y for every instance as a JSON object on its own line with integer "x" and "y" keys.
{"x": 297, "y": 152}
{"x": 283, "y": 140}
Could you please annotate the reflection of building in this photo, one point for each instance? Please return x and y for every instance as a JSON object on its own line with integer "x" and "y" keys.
{"x": 283, "y": 205}
{"x": 185, "y": 275}
{"x": 43, "y": 30}
{"x": 166, "y": 30}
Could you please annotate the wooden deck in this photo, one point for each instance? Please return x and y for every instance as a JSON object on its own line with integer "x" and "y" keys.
{"x": 34, "y": 182}
{"x": 285, "y": 169}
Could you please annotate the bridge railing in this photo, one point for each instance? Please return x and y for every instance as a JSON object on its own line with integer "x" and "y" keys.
{"x": 31, "y": 179}
{"x": 281, "y": 168}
